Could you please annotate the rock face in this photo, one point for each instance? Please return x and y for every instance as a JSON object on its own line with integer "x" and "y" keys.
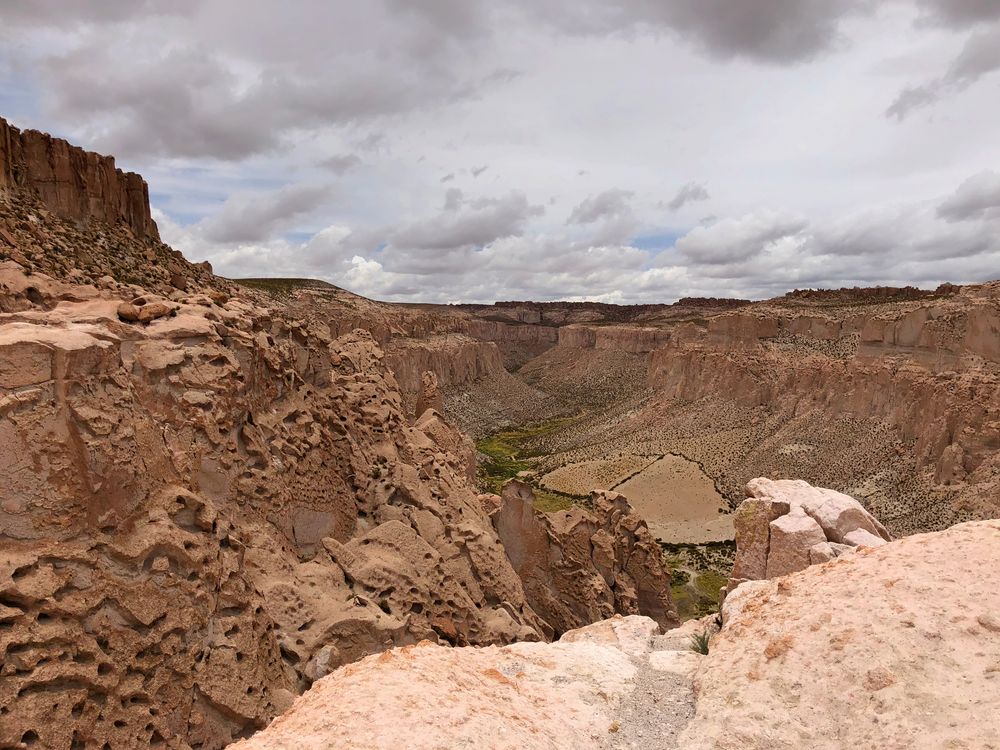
{"x": 579, "y": 566}
{"x": 74, "y": 183}
{"x": 800, "y": 662}
{"x": 565, "y": 696}
{"x": 787, "y": 525}
{"x": 209, "y": 503}
{"x": 923, "y": 364}
{"x": 810, "y": 661}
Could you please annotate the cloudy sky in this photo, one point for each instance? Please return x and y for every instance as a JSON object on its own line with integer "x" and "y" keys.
{"x": 456, "y": 150}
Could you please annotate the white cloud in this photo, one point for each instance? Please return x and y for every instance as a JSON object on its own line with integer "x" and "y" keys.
{"x": 314, "y": 142}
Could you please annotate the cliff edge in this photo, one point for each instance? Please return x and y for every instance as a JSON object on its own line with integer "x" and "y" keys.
{"x": 74, "y": 183}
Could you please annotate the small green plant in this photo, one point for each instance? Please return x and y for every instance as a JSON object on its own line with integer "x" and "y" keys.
{"x": 699, "y": 642}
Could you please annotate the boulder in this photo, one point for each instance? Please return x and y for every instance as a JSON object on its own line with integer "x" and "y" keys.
{"x": 863, "y": 538}
{"x": 751, "y": 522}
{"x": 786, "y": 525}
{"x": 792, "y": 537}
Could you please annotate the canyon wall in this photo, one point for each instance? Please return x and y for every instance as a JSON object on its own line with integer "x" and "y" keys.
{"x": 455, "y": 359}
{"x": 931, "y": 371}
{"x": 210, "y": 502}
{"x": 74, "y": 183}
{"x": 630, "y": 339}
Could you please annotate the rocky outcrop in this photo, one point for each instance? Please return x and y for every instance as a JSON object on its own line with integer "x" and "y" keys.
{"x": 211, "y": 505}
{"x": 430, "y": 394}
{"x": 74, "y": 183}
{"x": 579, "y": 566}
{"x": 576, "y": 693}
{"x": 616, "y": 338}
{"x": 802, "y": 661}
{"x": 787, "y": 525}
{"x": 886, "y": 647}
{"x": 517, "y": 343}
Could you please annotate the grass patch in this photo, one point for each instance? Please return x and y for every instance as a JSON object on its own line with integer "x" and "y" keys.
{"x": 697, "y": 573}
{"x": 550, "y": 502}
{"x": 699, "y": 643}
{"x": 710, "y": 583}
{"x": 506, "y": 453}
{"x": 506, "y": 456}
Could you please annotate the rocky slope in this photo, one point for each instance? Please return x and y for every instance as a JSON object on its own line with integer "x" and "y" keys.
{"x": 213, "y": 498}
{"x": 563, "y": 695}
{"x": 890, "y": 395}
{"x": 886, "y": 647}
{"x": 890, "y": 647}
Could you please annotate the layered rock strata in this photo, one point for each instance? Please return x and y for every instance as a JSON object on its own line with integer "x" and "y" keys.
{"x": 74, "y": 183}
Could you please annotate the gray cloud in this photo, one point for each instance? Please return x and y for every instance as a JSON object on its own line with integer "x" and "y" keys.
{"x": 959, "y": 13}
{"x": 341, "y": 163}
{"x": 689, "y": 193}
{"x": 976, "y": 198}
{"x": 610, "y": 204}
{"x": 479, "y": 223}
{"x": 980, "y": 56}
{"x": 772, "y": 31}
{"x": 58, "y": 13}
{"x": 733, "y": 240}
{"x": 453, "y": 199}
{"x": 253, "y": 218}
{"x": 230, "y": 91}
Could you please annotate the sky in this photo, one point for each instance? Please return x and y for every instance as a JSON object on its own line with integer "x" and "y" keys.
{"x": 467, "y": 151}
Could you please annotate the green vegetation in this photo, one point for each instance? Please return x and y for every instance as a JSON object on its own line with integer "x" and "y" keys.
{"x": 283, "y": 287}
{"x": 699, "y": 642}
{"x": 697, "y": 573}
{"x": 506, "y": 453}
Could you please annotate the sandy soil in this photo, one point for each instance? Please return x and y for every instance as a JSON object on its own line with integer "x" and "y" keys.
{"x": 602, "y": 474}
{"x": 678, "y": 501}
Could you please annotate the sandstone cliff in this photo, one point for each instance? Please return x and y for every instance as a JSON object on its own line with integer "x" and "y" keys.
{"x": 74, "y": 183}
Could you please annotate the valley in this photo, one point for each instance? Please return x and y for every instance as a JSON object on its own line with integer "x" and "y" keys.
{"x": 223, "y": 498}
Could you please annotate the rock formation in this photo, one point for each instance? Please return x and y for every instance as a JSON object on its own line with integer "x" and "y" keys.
{"x": 894, "y": 646}
{"x": 802, "y": 661}
{"x": 285, "y": 519}
{"x": 74, "y": 183}
{"x": 580, "y": 566}
{"x": 787, "y": 525}
{"x": 563, "y": 695}
{"x": 212, "y": 500}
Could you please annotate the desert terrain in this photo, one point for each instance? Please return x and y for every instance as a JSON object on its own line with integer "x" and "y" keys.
{"x": 220, "y": 493}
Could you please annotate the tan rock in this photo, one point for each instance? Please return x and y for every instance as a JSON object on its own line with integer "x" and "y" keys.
{"x": 430, "y": 394}
{"x": 752, "y": 524}
{"x": 580, "y": 567}
{"x": 862, "y": 538}
{"x": 528, "y": 695}
{"x": 792, "y": 537}
{"x": 904, "y": 659}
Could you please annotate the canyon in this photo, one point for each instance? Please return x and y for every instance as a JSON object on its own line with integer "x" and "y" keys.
{"x": 221, "y": 493}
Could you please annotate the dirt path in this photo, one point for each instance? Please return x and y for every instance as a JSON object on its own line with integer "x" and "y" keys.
{"x": 662, "y": 702}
